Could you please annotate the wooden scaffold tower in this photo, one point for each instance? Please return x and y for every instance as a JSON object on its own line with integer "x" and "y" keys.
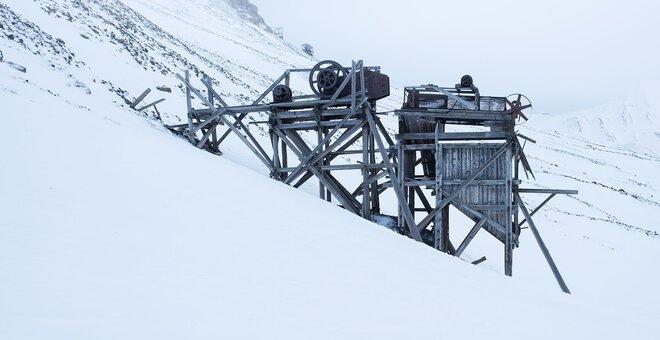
{"x": 475, "y": 171}
{"x": 429, "y": 168}
{"x": 340, "y": 114}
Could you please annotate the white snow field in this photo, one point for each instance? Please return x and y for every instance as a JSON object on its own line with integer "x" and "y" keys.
{"x": 113, "y": 228}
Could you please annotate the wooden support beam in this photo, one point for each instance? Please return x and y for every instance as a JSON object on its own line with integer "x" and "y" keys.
{"x": 212, "y": 93}
{"x": 368, "y": 183}
{"x": 383, "y": 131}
{"x": 316, "y": 154}
{"x": 254, "y": 140}
{"x": 140, "y": 98}
{"x": 331, "y": 156}
{"x": 211, "y": 120}
{"x": 252, "y": 148}
{"x": 454, "y": 115}
{"x": 366, "y": 197}
{"x": 547, "y": 191}
{"x": 523, "y": 158}
{"x": 150, "y": 105}
{"x": 440, "y": 234}
{"x": 422, "y": 198}
{"x": 205, "y": 138}
{"x": 491, "y": 226}
{"x": 191, "y": 134}
{"x": 544, "y": 249}
{"x": 537, "y": 208}
{"x": 346, "y": 203}
{"x": 345, "y": 192}
{"x": 328, "y": 161}
{"x": 451, "y": 136}
{"x": 321, "y": 162}
{"x": 285, "y": 159}
{"x": 509, "y": 243}
{"x": 473, "y": 232}
{"x": 277, "y": 165}
{"x": 375, "y": 176}
{"x": 479, "y": 260}
{"x": 315, "y": 125}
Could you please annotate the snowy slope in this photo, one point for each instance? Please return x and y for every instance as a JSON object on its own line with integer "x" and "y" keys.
{"x": 625, "y": 125}
{"x": 105, "y": 240}
{"x": 108, "y": 232}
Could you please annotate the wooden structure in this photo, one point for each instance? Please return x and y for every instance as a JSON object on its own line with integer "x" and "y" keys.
{"x": 341, "y": 115}
{"x": 475, "y": 171}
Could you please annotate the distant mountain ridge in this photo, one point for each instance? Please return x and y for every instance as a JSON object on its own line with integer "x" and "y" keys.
{"x": 249, "y": 12}
{"x": 631, "y": 125}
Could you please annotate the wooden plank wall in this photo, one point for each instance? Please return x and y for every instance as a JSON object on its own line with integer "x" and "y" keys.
{"x": 489, "y": 192}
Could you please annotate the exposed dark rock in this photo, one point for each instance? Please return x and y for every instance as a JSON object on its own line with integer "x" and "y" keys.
{"x": 249, "y": 12}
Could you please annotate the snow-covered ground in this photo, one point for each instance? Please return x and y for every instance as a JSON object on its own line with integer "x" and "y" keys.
{"x": 110, "y": 228}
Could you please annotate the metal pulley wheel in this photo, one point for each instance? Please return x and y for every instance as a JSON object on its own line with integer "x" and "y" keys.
{"x": 520, "y": 107}
{"x": 326, "y": 77}
{"x": 467, "y": 81}
{"x": 282, "y": 94}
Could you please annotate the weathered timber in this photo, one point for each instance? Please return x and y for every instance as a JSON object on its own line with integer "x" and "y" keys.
{"x": 544, "y": 248}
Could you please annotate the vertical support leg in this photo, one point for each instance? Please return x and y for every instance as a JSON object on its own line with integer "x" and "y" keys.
{"x": 211, "y": 99}
{"x": 411, "y": 157}
{"x": 402, "y": 179}
{"x": 277, "y": 166}
{"x": 375, "y": 199}
{"x": 321, "y": 162}
{"x": 440, "y": 228}
{"x": 508, "y": 244}
{"x": 285, "y": 162}
{"x": 366, "y": 195}
{"x": 191, "y": 134}
{"x": 328, "y": 193}
{"x": 448, "y": 248}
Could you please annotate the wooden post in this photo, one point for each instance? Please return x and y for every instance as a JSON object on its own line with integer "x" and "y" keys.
{"x": 321, "y": 145}
{"x": 328, "y": 193}
{"x": 544, "y": 249}
{"x": 366, "y": 194}
{"x": 375, "y": 196}
{"x": 509, "y": 244}
{"x": 191, "y": 134}
{"x": 275, "y": 141}
{"x": 396, "y": 186}
{"x": 440, "y": 227}
{"x": 402, "y": 178}
{"x": 285, "y": 161}
{"x": 140, "y": 98}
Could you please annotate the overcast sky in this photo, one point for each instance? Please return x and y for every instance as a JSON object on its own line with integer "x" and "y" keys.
{"x": 565, "y": 55}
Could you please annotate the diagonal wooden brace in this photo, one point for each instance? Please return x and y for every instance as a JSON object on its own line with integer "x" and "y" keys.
{"x": 544, "y": 249}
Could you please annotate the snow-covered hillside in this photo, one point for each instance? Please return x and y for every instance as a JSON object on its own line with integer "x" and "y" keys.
{"x": 628, "y": 125}
{"x": 108, "y": 228}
